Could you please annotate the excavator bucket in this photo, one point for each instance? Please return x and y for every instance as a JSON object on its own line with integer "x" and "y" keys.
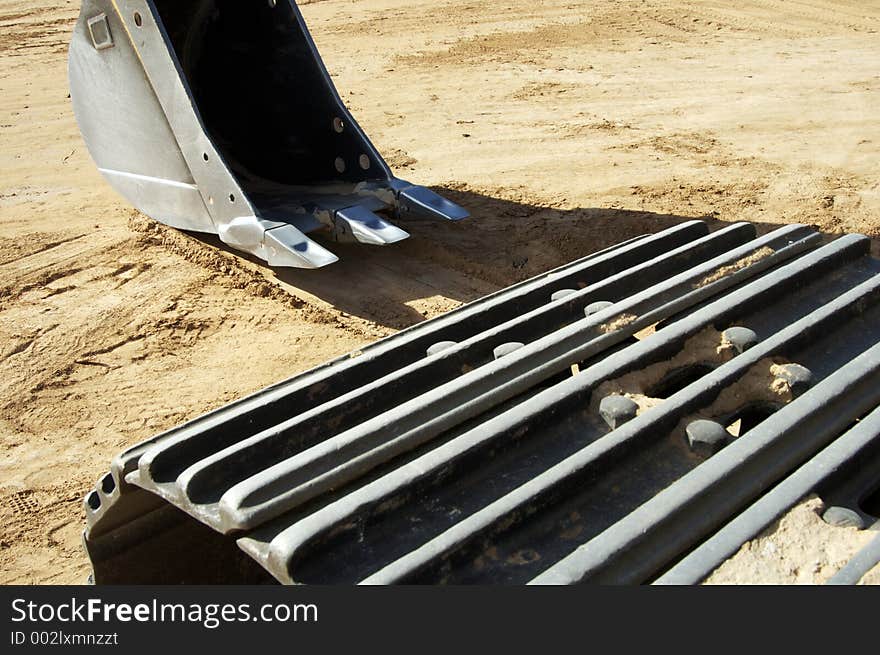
{"x": 219, "y": 116}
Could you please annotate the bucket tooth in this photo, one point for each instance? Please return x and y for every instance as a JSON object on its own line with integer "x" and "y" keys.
{"x": 246, "y": 233}
{"x": 287, "y": 246}
{"x": 279, "y": 244}
{"x": 424, "y": 203}
{"x": 360, "y": 224}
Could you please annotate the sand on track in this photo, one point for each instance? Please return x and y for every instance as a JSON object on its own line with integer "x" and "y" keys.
{"x": 564, "y": 126}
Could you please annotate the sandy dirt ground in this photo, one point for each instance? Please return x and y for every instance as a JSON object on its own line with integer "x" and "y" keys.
{"x": 563, "y": 125}
{"x": 797, "y": 549}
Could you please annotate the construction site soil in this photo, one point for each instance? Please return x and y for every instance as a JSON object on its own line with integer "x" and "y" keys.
{"x": 564, "y": 126}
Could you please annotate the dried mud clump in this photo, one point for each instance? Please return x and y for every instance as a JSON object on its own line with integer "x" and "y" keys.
{"x": 735, "y": 267}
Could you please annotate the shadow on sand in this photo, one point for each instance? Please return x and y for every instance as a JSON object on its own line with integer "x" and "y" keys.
{"x": 502, "y": 243}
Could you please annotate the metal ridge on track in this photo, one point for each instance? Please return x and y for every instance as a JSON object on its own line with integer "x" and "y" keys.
{"x": 632, "y": 417}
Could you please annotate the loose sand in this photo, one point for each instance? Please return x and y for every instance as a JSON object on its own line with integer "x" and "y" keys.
{"x": 563, "y": 125}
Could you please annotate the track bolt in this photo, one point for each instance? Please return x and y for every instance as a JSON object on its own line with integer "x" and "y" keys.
{"x": 739, "y": 338}
{"x": 707, "y": 437}
{"x": 596, "y": 307}
{"x": 617, "y": 410}
{"x": 842, "y": 517}
{"x": 438, "y": 347}
{"x": 798, "y": 378}
{"x": 506, "y": 349}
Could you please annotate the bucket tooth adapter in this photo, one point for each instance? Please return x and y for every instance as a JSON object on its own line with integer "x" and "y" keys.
{"x": 219, "y": 116}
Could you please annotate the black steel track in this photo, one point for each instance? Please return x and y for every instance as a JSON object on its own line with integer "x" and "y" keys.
{"x": 632, "y": 417}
